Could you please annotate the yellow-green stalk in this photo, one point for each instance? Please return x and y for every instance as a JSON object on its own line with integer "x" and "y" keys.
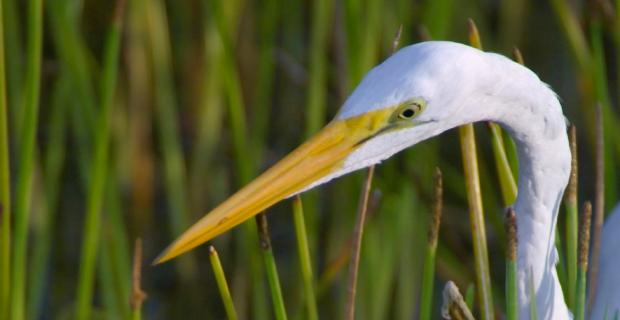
{"x": 25, "y": 159}
{"x": 94, "y": 201}
{"x": 582, "y": 264}
{"x": 270, "y": 267}
{"x": 428, "y": 276}
{"x": 474, "y": 199}
{"x": 512, "y": 298}
{"x": 570, "y": 202}
{"x": 222, "y": 285}
{"x": 304, "y": 259}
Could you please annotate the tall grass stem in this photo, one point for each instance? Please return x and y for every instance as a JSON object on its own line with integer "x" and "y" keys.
{"x": 512, "y": 297}
{"x": 598, "y": 214}
{"x": 270, "y": 267}
{"x": 99, "y": 169}
{"x": 304, "y": 259}
{"x": 28, "y": 130}
{"x": 571, "y": 221}
{"x": 428, "y": 276}
{"x": 5, "y": 186}
{"x": 582, "y": 267}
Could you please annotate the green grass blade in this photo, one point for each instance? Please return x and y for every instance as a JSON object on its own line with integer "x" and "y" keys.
{"x": 512, "y": 294}
{"x": 53, "y": 163}
{"x": 507, "y": 181}
{"x": 28, "y": 131}
{"x": 317, "y": 73}
{"x": 470, "y": 294}
{"x": 570, "y": 202}
{"x": 304, "y": 259}
{"x": 572, "y": 29}
{"x": 269, "y": 16}
{"x": 270, "y": 268}
{"x": 166, "y": 120}
{"x": 14, "y": 51}
{"x": 222, "y": 284}
{"x": 94, "y": 202}
{"x": 210, "y": 116}
{"x": 428, "y": 277}
{"x": 5, "y": 187}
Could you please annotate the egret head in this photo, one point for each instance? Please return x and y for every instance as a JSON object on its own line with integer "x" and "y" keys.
{"x": 419, "y": 92}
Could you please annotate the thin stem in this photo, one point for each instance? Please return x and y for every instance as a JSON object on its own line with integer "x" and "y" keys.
{"x": 304, "y": 258}
{"x": 5, "y": 186}
{"x": 599, "y": 203}
{"x": 512, "y": 300}
{"x": 270, "y": 267}
{"x": 357, "y": 246}
{"x": 94, "y": 201}
{"x": 28, "y": 131}
{"x": 222, "y": 285}
{"x": 571, "y": 221}
{"x": 428, "y": 275}
{"x": 137, "y": 295}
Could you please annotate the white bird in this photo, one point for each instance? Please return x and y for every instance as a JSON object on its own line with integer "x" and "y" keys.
{"x": 418, "y": 93}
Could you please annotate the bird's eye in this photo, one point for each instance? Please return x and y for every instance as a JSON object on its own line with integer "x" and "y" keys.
{"x": 410, "y": 110}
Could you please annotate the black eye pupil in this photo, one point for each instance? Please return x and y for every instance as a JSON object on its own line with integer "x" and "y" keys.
{"x": 408, "y": 113}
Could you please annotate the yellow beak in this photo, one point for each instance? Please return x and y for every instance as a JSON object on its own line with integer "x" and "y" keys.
{"x": 316, "y": 158}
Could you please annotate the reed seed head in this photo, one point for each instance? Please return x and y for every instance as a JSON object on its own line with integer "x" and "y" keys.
{"x": 511, "y": 234}
{"x": 584, "y": 235}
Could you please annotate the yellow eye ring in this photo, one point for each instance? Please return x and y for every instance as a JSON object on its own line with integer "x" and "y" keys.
{"x": 410, "y": 110}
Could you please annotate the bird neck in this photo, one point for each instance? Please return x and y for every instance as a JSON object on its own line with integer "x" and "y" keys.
{"x": 532, "y": 114}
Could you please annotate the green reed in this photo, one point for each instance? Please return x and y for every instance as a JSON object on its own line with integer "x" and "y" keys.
{"x": 25, "y": 159}
{"x": 99, "y": 169}
{"x": 5, "y": 187}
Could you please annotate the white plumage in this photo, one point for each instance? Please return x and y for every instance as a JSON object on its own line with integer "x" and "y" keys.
{"x": 452, "y": 84}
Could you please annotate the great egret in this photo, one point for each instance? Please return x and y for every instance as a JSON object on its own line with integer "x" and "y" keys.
{"x": 419, "y": 92}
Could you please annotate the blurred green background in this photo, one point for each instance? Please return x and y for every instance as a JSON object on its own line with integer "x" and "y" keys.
{"x": 206, "y": 94}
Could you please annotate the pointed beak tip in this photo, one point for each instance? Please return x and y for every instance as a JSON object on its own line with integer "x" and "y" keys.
{"x": 164, "y": 256}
